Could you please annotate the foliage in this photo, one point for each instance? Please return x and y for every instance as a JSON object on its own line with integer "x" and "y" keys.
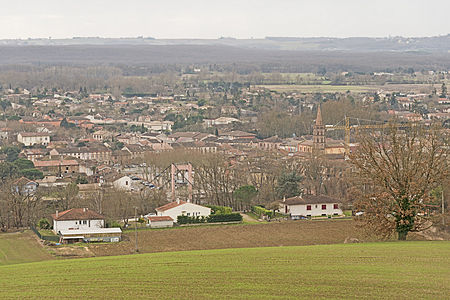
{"x": 233, "y": 217}
{"x": 216, "y": 209}
{"x": 65, "y": 124}
{"x": 8, "y": 171}
{"x": 245, "y": 194}
{"x": 81, "y": 180}
{"x": 23, "y": 163}
{"x": 32, "y": 173}
{"x": 191, "y": 220}
{"x": 215, "y": 218}
{"x": 44, "y": 223}
{"x": 288, "y": 184}
{"x": 399, "y": 173}
{"x": 135, "y": 128}
{"x": 261, "y": 211}
{"x": 12, "y": 152}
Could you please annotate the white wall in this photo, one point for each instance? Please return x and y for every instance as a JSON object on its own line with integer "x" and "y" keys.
{"x": 75, "y": 224}
{"x": 187, "y": 209}
{"x": 316, "y": 209}
{"x": 123, "y": 183}
{"x": 161, "y": 224}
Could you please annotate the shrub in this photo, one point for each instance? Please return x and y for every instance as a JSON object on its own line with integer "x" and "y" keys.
{"x": 112, "y": 224}
{"x": 44, "y": 223}
{"x": 260, "y": 211}
{"x": 191, "y": 220}
{"x": 233, "y": 217}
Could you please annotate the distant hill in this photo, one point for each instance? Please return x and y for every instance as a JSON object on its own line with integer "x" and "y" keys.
{"x": 427, "y": 44}
{"x": 243, "y": 59}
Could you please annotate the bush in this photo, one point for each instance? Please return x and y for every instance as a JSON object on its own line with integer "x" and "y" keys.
{"x": 112, "y": 224}
{"x": 32, "y": 173}
{"x": 233, "y": 217}
{"x": 260, "y": 211}
{"x": 44, "y": 223}
{"x": 191, "y": 220}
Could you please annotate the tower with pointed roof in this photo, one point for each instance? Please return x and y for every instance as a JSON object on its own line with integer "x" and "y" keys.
{"x": 319, "y": 133}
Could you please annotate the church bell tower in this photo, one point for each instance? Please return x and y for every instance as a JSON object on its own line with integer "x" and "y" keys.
{"x": 319, "y": 133}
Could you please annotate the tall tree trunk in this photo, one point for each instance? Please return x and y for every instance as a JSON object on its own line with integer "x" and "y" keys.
{"x": 402, "y": 235}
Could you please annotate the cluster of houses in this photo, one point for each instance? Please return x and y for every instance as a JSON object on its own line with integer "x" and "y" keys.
{"x": 85, "y": 225}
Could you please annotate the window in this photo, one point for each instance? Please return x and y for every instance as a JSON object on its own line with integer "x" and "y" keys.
{"x": 84, "y": 222}
{"x": 324, "y": 206}
{"x": 308, "y": 207}
{"x": 188, "y": 214}
{"x": 336, "y": 206}
{"x": 126, "y": 182}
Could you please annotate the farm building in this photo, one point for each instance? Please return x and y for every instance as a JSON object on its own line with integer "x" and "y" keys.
{"x": 160, "y": 221}
{"x": 182, "y": 208}
{"x": 310, "y": 206}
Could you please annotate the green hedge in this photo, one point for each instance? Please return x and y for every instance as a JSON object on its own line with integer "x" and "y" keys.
{"x": 191, "y": 220}
{"x": 260, "y": 211}
{"x": 233, "y": 217}
{"x": 216, "y": 209}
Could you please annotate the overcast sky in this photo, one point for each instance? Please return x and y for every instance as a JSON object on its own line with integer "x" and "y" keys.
{"x": 230, "y": 18}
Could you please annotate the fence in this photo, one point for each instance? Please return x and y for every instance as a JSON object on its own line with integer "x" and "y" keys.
{"x": 52, "y": 238}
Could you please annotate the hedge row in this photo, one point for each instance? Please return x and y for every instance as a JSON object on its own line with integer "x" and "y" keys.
{"x": 233, "y": 217}
{"x": 216, "y": 209}
{"x": 260, "y": 211}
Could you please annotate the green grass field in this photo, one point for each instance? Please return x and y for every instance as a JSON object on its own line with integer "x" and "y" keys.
{"x": 19, "y": 247}
{"x": 407, "y": 270}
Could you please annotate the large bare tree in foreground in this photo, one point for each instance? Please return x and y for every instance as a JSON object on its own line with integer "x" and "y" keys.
{"x": 397, "y": 172}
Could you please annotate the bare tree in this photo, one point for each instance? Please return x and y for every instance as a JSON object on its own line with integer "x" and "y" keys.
{"x": 396, "y": 173}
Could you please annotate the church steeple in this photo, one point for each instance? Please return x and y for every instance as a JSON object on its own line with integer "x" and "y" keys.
{"x": 319, "y": 132}
{"x": 319, "y": 121}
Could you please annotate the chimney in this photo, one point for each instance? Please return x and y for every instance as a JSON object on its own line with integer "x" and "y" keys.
{"x": 57, "y": 214}
{"x": 84, "y": 209}
{"x": 284, "y": 198}
{"x": 178, "y": 200}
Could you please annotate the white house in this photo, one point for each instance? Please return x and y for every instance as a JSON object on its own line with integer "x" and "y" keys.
{"x": 182, "y": 208}
{"x": 310, "y": 206}
{"x": 123, "y": 183}
{"x": 77, "y": 218}
{"x": 33, "y": 138}
{"x": 83, "y": 225}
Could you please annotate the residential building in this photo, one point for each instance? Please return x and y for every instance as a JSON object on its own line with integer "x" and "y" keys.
{"x": 310, "y": 206}
{"x": 33, "y": 138}
{"x": 182, "y": 208}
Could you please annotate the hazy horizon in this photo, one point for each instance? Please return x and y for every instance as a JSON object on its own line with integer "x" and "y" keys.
{"x": 201, "y": 19}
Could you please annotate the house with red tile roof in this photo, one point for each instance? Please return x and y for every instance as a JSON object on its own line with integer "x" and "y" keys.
{"x": 182, "y": 208}
{"x": 83, "y": 225}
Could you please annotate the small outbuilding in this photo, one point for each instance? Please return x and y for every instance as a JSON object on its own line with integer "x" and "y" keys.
{"x": 160, "y": 221}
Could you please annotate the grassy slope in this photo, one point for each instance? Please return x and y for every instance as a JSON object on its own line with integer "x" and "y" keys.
{"x": 20, "y": 248}
{"x": 406, "y": 270}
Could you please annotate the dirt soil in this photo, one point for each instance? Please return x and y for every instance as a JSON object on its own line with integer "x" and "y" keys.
{"x": 290, "y": 233}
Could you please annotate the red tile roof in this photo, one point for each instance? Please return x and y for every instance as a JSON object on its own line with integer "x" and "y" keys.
{"x": 160, "y": 218}
{"x": 310, "y": 199}
{"x": 55, "y": 163}
{"x": 77, "y": 214}
{"x": 170, "y": 205}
